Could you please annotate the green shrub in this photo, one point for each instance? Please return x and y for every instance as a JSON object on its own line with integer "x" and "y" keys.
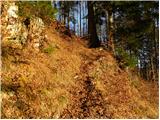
{"x": 126, "y": 59}
{"x": 50, "y": 49}
{"x": 42, "y": 9}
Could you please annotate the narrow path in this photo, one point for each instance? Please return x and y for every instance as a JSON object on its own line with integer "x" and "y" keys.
{"x": 88, "y": 102}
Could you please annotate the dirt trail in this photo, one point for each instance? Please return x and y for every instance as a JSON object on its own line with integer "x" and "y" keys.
{"x": 88, "y": 101}
{"x": 72, "y": 81}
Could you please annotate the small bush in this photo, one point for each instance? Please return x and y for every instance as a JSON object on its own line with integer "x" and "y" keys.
{"x": 42, "y": 9}
{"x": 49, "y": 49}
{"x": 125, "y": 60}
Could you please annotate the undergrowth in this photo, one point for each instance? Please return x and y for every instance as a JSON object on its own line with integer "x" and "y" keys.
{"x": 41, "y": 9}
{"x": 43, "y": 88}
{"x": 126, "y": 60}
{"x": 50, "y": 49}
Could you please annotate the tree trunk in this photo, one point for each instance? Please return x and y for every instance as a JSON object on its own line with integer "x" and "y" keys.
{"x": 154, "y": 54}
{"x": 94, "y": 41}
{"x": 64, "y": 19}
{"x": 111, "y": 31}
{"x": 74, "y": 23}
{"x": 86, "y": 19}
{"x": 68, "y": 19}
{"x": 83, "y": 16}
{"x": 80, "y": 17}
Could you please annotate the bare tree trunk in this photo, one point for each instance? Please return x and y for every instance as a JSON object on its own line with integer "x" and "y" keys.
{"x": 86, "y": 5}
{"x": 64, "y": 19}
{"x": 68, "y": 19}
{"x": 94, "y": 41}
{"x": 153, "y": 69}
{"x": 111, "y": 31}
{"x": 74, "y": 23}
{"x": 80, "y": 17}
{"x": 154, "y": 55}
{"x": 107, "y": 28}
{"x": 83, "y": 16}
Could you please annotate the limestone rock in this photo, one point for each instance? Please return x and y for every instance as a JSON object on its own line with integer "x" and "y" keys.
{"x": 14, "y": 30}
{"x": 36, "y": 32}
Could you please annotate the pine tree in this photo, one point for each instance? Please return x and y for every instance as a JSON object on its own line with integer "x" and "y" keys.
{"x": 94, "y": 41}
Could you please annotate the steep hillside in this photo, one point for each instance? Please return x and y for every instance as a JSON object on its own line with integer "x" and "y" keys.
{"x": 47, "y": 72}
{"x": 65, "y": 79}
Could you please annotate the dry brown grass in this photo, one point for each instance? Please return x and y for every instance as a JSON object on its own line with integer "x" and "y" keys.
{"x": 38, "y": 85}
{"x": 35, "y": 85}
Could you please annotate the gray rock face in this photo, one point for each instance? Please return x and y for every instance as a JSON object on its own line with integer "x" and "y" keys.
{"x": 36, "y": 30}
{"x": 14, "y": 29}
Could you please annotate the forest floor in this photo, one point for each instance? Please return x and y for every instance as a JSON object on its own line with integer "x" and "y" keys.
{"x": 68, "y": 80}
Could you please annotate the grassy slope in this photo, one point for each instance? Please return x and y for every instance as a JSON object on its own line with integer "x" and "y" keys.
{"x": 50, "y": 84}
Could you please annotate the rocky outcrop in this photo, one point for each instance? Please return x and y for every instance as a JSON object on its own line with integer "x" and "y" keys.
{"x": 13, "y": 30}
{"x": 18, "y": 30}
{"x": 36, "y": 32}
